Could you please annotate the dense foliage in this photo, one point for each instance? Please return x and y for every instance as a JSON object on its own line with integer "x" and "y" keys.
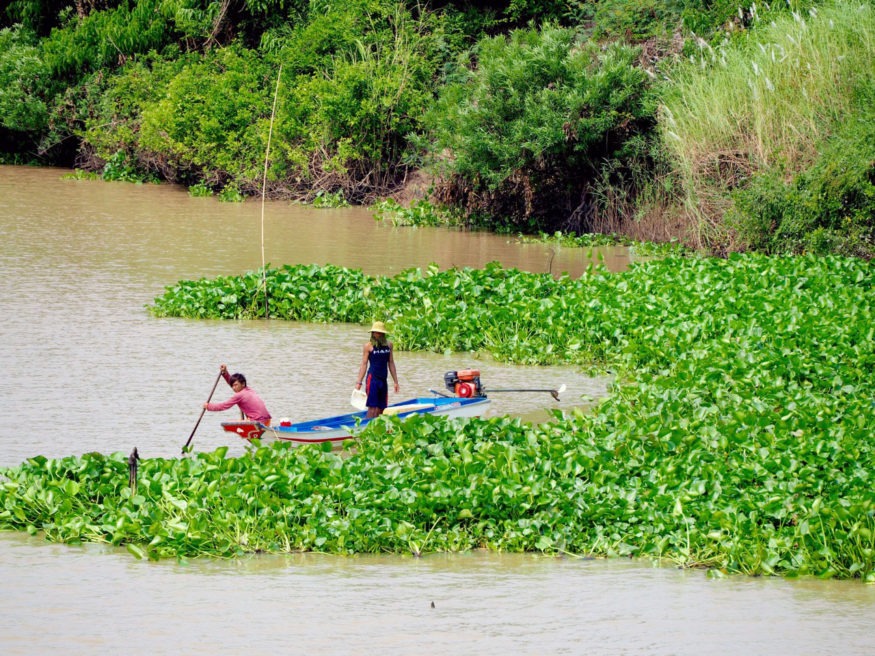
{"x": 530, "y": 126}
{"x": 362, "y": 80}
{"x": 743, "y": 443}
{"x": 777, "y": 130}
{"x": 213, "y": 114}
{"x": 527, "y": 116}
{"x": 827, "y": 208}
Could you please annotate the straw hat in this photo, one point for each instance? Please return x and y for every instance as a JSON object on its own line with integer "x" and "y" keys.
{"x": 378, "y": 327}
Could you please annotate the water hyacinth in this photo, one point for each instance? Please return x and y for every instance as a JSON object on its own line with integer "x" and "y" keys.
{"x": 426, "y": 485}
{"x": 736, "y": 438}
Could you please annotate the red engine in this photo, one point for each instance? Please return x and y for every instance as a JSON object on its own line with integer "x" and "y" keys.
{"x": 465, "y": 383}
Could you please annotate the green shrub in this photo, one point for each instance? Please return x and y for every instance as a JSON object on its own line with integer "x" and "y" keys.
{"x": 23, "y": 80}
{"x": 214, "y": 114}
{"x": 635, "y": 20}
{"x": 36, "y": 16}
{"x": 357, "y": 83}
{"x": 532, "y": 122}
{"x": 105, "y": 39}
{"x": 115, "y": 107}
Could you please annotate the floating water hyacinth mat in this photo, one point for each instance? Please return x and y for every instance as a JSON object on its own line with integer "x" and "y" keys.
{"x": 736, "y": 438}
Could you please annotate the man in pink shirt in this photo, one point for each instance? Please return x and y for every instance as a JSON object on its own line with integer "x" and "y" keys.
{"x": 249, "y": 402}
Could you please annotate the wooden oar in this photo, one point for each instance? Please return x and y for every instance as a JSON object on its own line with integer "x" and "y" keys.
{"x": 185, "y": 447}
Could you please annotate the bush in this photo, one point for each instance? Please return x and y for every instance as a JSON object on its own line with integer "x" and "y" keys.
{"x": 635, "y": 20}
{"x": 114, "y": 108}
{"x": 533, "y": 120}
{"x": 23, "y": 79}
{"x": 106, "y": 39}
{"x": 358, "y": 80}
{"x": 36, "y": 16}
{"x": 213, "y": 115}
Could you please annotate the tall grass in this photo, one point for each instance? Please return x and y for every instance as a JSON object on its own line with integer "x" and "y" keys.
{"x": 765, "y": 102}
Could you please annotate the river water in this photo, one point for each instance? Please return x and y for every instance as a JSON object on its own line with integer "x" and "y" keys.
{"x": 87, "y": 369}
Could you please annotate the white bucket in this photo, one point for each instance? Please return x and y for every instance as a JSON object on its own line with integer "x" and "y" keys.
{"x": 358, "y": 399}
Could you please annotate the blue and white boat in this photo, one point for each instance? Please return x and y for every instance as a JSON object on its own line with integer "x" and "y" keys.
{"x": 344, "y": 427}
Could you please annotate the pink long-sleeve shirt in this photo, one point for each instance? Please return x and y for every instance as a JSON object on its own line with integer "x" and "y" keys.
{"x": 250, "y": 403}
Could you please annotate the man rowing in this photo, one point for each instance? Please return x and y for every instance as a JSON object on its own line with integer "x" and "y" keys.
{"x": 244, "y": 397}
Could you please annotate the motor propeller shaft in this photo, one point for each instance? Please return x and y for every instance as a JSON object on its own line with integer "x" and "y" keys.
{"x": 553, "y": 392}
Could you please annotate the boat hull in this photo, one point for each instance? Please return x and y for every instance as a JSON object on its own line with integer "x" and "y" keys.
{"x": 340, "y": 428}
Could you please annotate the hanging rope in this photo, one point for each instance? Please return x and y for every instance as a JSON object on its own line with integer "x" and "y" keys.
{"x": 264, "y": 189}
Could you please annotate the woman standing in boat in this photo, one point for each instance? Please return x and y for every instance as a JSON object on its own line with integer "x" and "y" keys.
{"x": 378, "y": 361}
{"x": 250, "y": 403}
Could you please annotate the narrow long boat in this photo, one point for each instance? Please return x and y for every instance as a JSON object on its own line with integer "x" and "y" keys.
{"x": 344, "y": 427}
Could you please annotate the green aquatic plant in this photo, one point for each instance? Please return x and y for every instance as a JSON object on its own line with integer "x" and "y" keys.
{"x": 79, "y": 174}
{"x": 327, "y": 199}
{"x": 120, "y": 168}
{"x": 231, "y": 194}
{"x": 595, "y": 240}
{"x": 200, "y": 190}
{"x": 580, "y": 485}
{"x": 648, "y": 316}
{"x": 571, "y": 240}
{"x": 418, "y": 213}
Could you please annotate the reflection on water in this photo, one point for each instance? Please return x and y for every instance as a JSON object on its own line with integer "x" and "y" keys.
{"x": 87, "y": 369}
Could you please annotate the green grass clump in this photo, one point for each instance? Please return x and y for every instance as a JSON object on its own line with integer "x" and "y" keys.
{"x": 767, "y": 104}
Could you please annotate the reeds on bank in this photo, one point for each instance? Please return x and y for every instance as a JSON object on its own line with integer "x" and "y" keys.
{"x": 765, "y": 102}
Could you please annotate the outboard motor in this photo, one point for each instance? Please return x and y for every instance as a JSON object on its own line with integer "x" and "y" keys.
{"x": 464, "y": 383}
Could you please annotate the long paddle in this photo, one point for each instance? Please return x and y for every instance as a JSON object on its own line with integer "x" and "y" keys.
{"x": 185, "y": 448}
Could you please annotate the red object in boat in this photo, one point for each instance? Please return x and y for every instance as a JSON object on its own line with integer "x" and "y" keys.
{"x": 464, "y": 383}
{"x": 246, "y": 430}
